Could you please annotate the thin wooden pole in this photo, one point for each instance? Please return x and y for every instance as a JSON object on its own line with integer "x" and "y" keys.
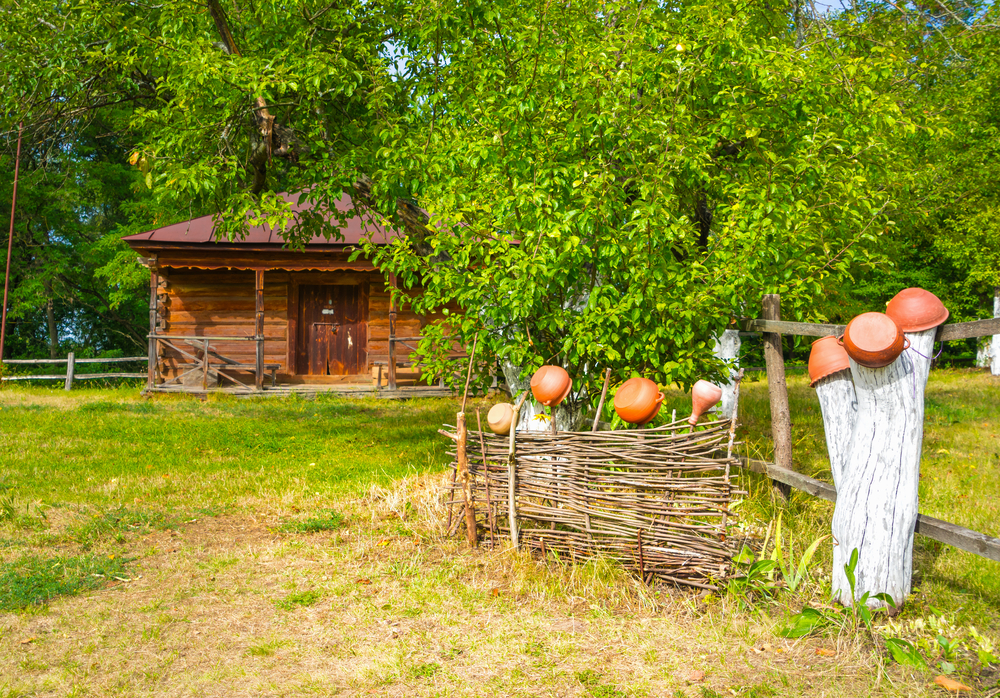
{"x": 512, "y": 472}
{"x": 70, "y": 370}
{"x": 392, "y": 332}
{"x": 204, "y": 367}
{"x": 463, "y": 470}
{"x": 154, "y": 283}
{"x": 777, "y": 388}
{"x": 486, "y": 476}
{"x": 258, "y": 329}
{"x": 10, "y": 239}
{"x": 468, "y": 374}
{"x": 604, "y": 394}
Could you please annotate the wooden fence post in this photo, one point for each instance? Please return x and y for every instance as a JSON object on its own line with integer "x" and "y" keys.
{"x": 781, "y": 423}
{"x": 392, "y": 333}
{"x": 154, "y": 282}
{"x": 258, "y": 329}
{"x": 70, "y": 370}
{"x": 876, "y": 512}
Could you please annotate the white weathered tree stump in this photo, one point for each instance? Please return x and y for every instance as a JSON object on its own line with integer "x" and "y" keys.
{"x": 995, "y": 344}
{"x": 876, "y": 510}
{"x": 839, "y": 406}
{"x": 727, "y": 347}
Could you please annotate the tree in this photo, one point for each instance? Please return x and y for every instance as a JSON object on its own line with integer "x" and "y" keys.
{"x": 612, "y": 184}
{"x": 609, "y": 183}
{"x": 71, "y": 196}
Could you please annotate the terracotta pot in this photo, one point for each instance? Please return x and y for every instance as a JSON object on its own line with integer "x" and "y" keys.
{"x": 874, "y": 340}
{"x": 550, "y": 385}
{"x": 500, "y": 418}
{"x": 704, "y": 396}
{"x": 915, "y": 310}
{"x": 638, "y": 400}
{"x": 826, "y": 358}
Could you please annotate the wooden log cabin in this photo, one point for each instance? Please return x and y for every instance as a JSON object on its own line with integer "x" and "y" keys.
{"x": 250, "y": 315}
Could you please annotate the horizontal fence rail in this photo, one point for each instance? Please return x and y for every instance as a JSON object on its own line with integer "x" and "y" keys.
{"x": 946, "y": 333}
{"x": 936, "y": 529}
{"x": 71, "y": 375}
{"x": 783, "y": 473}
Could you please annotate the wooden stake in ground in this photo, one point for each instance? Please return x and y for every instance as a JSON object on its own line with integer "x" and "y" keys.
{"x": 876, "y": 510}
{"x": 781, "y": 422}
{"x": 486, "y": 478}
{"x": 512, "y": 472}
{"x": 839, "y": 405}
{"x": 463, "y": 458}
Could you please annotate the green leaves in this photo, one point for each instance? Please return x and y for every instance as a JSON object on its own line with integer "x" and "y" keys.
{"x": 905, "y": 653}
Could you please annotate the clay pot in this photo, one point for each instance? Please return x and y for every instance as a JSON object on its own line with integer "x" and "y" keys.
{"x": 704, "y": 396}
{"x": 874, "y": 340}
{"x": 550, "y": 385}
{"x": 826, "y": 358}
{"x": 500, "y": 418}
{"x": 638, "y": 400}
{"x": 915, "y": 310}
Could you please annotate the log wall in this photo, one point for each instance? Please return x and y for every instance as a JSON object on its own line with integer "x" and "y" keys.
{"x": 201, "y": 302}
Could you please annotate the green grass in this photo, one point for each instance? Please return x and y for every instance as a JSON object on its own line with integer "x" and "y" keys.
{"x": 32, "y": 581}
{"x": 328, "y": 521}
{"x": 299, "y": 599}
{"x": 112, "y": 466}
{"x": 110, "y": 448}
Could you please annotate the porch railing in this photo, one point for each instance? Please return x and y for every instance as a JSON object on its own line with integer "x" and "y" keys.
{"x": 210, "y": 362}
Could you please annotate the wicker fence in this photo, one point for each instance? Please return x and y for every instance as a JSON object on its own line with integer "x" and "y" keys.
{"x": 656, "y": 500}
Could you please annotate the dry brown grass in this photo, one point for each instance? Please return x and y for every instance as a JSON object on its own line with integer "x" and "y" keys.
{"x": 386, "y": 605}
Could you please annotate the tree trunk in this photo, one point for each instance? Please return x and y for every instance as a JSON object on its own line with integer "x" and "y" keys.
{"x": 727, "y": 347}
{"x": 995, "y": 353}
{"x": 839, "y": 405}
{"x": 876, "y": 509}
{"x": 50, "y": 320}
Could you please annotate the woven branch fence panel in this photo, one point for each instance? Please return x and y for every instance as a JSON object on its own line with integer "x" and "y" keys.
{"x": 656, "y": 500}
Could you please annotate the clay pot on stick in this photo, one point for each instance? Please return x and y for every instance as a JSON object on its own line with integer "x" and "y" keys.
{"x": 874, "y": 340}
{"x": 826, "y": 358}
{"x": 916, "y": 310}
{"x": 638, "y": 400}
{"x": 500, "y": 418}
{"x": 704, "y": 396}
{"x": 550, "y": 385}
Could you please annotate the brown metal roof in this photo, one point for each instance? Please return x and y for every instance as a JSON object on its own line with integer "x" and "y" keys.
{"x": 200, "y": 231}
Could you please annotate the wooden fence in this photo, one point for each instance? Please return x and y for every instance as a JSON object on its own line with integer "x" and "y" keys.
{"x": 772, "y": 327}
{"x": 71, "y": 375}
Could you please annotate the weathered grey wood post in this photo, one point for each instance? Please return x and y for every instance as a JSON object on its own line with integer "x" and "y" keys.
{"x": 727, "y": 347}
{"x": 781, "y": 421}
{"x": 839, "y": 406}
{"x": 876, "y": 509}
{"x": 70, "y": 370}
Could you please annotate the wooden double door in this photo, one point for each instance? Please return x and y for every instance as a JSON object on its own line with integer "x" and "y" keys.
{"x": 332, "y": 330}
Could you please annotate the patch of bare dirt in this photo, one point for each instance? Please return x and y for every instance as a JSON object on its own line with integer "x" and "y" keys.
{"x": 232, "y": 606}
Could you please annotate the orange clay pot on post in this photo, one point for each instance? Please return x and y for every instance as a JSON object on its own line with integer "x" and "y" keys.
{"x": 704, "y": 396}
{"x": 550, "y": 385}
{"x": 638, "y": 400}
{"x": 874, "y": 340}
{"x": 916, "y": 310}
{"x": 500, "y": 418}
{"x": 826, "y": 358}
